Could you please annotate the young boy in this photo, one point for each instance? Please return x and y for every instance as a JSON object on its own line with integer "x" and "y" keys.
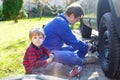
{"x": 38, "y": 59}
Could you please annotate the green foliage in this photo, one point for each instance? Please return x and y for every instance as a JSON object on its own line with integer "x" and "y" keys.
{"x": 11, "y": 9}
{"x": 47, "y": 12}
{"x": 6, "y": 14}
{"x": 34, "y": 12}
{"x": 0, "y": 13}
{"x": 52, "y": 10}
{"x": 22, "y": 14}
{"x": 56, "y": 9}
{"x": 75, "y": 26}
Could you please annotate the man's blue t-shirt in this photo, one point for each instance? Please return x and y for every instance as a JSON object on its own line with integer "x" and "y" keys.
{"x": 58, "y": 32}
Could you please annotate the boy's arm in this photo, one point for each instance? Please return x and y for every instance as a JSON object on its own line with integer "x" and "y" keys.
{"x": 49, "y": 53}
{"x": 37, "y": 63}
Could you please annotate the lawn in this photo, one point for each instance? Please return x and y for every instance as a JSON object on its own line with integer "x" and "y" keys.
{"x": 13, "y": 43}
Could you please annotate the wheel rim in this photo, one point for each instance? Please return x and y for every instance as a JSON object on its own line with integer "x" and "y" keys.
{"x": 106, "y": 49}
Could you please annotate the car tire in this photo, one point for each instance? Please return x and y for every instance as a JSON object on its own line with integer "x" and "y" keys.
{"x": 109, "y": 47}
{"x": 85, "y": 30}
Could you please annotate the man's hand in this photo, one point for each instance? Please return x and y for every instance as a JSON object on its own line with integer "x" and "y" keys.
{"x": 93, "y": 49}
{"x": 92, "y": 46}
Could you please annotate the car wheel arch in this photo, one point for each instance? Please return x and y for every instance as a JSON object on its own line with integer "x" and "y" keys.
{"x": 103, "y": 7}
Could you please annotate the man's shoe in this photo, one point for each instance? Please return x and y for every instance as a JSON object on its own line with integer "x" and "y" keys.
{"x": 75, "y": 71}
{"x": 90, "y": 59}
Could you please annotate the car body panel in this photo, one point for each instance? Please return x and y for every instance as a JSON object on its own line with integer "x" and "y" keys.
{"x": 90, "y": 9}
{"x": 92, "y": 17}
{"x": 115, "y": 10}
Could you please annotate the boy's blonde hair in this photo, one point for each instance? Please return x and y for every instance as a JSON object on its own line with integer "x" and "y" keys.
{"x": 36, "y": 31}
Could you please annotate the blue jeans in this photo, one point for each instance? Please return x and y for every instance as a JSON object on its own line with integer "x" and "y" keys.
{"x": 80, "y": 52}
{"x": 67, "y": 57}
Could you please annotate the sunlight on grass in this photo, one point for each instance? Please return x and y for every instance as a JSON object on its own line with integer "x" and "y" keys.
{"x": 14, "y": 41}
{"x": 75, "y": 26}
{"x": 11, "y": 58}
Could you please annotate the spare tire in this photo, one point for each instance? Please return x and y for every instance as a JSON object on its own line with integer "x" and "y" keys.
{"x": 109, "y": 47}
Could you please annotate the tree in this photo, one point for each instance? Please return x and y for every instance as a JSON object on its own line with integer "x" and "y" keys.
{"x": 68, "y": 2}
{"x": 54, "y": 9}
{"x": 40, "y": 6}
{"x": 11, "y": 9}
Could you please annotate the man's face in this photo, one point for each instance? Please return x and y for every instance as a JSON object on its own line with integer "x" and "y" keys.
{"x": 73, "y": 20}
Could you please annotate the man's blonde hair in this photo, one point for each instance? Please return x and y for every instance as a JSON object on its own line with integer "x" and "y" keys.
{"x": 36, "y": 31}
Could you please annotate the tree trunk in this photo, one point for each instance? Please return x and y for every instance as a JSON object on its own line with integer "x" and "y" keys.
{"x": 16, "y": 20}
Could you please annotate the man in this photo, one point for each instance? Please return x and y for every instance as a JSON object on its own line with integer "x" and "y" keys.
{"x": 59, "y": 33}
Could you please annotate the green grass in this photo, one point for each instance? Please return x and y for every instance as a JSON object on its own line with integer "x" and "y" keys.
{"x": 75, "y": 26}
{"x": 13, "y": 43}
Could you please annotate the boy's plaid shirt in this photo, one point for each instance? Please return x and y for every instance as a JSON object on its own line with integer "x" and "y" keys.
{"x": 33, "y": 57}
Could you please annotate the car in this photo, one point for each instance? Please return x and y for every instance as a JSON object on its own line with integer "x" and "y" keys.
{"x": 104, "y": 16}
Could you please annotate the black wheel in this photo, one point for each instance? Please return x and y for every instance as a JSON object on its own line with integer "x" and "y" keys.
{"x": 109, "y": 47}
{"x": 84, "y": 30}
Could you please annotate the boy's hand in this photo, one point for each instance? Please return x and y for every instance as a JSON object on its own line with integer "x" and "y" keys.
{"x": 51, "y": 56}
{"x": 49, "y": 60}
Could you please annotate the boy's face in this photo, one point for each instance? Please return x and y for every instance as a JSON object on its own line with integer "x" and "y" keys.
{"x": 37, "y": 40}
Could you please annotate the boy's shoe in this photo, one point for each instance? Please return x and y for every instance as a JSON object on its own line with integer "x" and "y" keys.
{"x": 75, "y": 71}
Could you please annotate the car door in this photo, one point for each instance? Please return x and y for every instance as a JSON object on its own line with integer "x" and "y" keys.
{"x": 90, "y": 10}
{"x": 93, "y": 4}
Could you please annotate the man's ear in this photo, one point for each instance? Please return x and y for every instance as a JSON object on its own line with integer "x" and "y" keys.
{"x": 72, "y": 16}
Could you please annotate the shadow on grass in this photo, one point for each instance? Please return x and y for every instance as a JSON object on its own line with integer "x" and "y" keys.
{"x": 15, "y": 44}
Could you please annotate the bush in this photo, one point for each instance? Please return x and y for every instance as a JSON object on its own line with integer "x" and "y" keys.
{"x": 22, "y": 14}
{"x": 34, "y": 12}
{"x": 47, "y": 12}
{"x": 52, "y": 11}
{"x": 11, "y": 9}
{"x": 1, "y": 13}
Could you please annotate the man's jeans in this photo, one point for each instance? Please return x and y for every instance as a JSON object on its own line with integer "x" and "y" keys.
{"x": 67, "y": 57}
